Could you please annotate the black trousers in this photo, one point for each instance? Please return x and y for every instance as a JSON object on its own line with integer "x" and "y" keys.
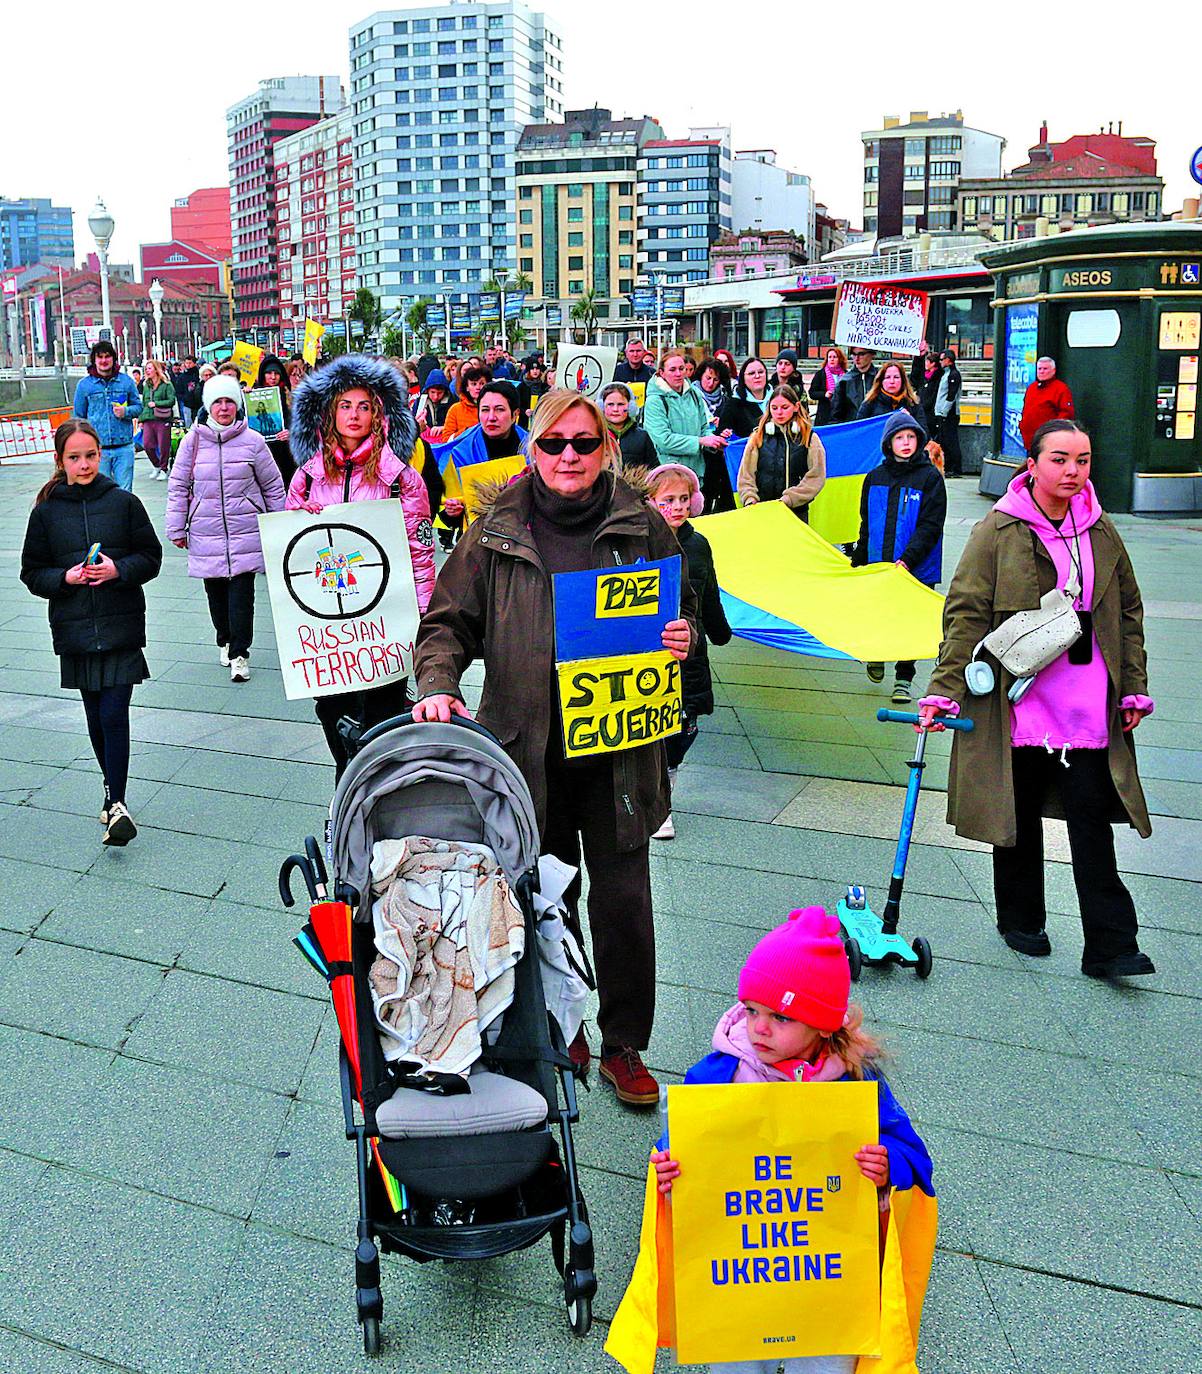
{"x": 580, "y": 814}
{"x": 678, "y": 746}
{"x": 368, "y": 708}
{"x": 947, "y": 435}
{"x": 1088, "y": 798}
{"x": 108, "y": 729}
{"x": 232, "y": 611}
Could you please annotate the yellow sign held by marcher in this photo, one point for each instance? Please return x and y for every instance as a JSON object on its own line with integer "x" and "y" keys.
{"x": 775, "y": 1231}
{"x": 313, "y": 333}
{"x": 246, "y": 358}
{"x": 617, "y": 703}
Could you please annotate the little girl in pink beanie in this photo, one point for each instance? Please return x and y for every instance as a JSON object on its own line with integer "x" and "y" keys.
{"x": 793, "y": 1023}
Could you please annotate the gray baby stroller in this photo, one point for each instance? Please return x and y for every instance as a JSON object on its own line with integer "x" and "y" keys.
{"x": 432, "y": 1185}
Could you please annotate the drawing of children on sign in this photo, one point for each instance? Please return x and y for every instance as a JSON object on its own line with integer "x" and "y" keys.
{"x": 333, "y": 570}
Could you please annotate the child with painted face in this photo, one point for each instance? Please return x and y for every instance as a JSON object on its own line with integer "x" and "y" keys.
{"x": 674, "y": 491}
{"x": 903, "y": 507}
{"x": 793, "y": 1024}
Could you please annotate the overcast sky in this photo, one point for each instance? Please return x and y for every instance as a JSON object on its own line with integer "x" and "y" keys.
{"x": 129, "y": 100}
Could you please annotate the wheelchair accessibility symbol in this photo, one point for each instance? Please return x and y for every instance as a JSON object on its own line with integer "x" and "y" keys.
{"x": 1189, "y": 274}
{"x": 335, "y": 571}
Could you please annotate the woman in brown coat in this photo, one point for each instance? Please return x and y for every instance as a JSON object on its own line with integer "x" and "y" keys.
{"x": 493, "y": 600}
{"x": 1065, "y": 747}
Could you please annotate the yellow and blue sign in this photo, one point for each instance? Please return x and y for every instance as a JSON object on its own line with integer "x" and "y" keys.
{"x": 618, "y": 687}
{"x": 775, "y": 1232}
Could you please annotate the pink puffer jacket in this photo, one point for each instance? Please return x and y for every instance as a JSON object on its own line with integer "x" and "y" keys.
{"x": 350, "y": 486}
{"x": 218, "y": 488}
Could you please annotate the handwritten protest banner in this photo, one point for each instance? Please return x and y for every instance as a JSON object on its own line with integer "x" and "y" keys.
{"x": 775, "y": 1231}
{"x": 246, "y": 358}
{"x": 618, "y": 686}
{"x": 584, "y": 369}
{"x": 342, "y": 596}
{"x": 889, "y": 319}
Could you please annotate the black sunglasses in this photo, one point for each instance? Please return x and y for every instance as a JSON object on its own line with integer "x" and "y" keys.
{"x": 583, "y": 445}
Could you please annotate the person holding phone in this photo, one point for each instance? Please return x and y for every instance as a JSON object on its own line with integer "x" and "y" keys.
{"x": 89, "y": 550}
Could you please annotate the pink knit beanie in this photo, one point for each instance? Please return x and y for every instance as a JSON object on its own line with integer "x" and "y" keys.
{"x": 800, "y": 970}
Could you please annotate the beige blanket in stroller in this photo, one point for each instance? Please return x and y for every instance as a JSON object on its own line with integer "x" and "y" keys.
{"x": 448, "y": 932}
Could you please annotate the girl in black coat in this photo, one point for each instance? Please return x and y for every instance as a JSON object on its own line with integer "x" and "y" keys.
{"x": 89, "y": 549}
{"x": 674, "y": 491}
{"x": 272, "y": 372}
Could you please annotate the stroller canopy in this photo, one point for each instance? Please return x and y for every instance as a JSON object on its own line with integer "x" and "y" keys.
{"x": 451, "y": 782}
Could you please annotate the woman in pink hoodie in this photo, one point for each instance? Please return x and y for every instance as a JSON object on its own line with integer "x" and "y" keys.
{"x": 352, "y": 435}
{"x": 1065, "y": 748}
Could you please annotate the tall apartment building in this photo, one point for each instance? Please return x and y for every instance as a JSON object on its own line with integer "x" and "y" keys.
{"x": 440, "y": 95}
{"x": 280, "y": 106}
{"x": 766, "y": 197}
{"x": 577, "y": 205}
{"x": 1102, "y": 178}
{"x": 35, "y": 231}
{"x": 685, "y": 203}
{"x": 911, "y": 170}
{"x": 204, "y": 217}
{"x": 315, "y": 224}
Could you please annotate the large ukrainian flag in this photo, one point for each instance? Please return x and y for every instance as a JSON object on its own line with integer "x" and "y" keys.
{"x": 785, "y": 586}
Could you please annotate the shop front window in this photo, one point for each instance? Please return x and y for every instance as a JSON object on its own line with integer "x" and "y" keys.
{"x": 967, "y": 326}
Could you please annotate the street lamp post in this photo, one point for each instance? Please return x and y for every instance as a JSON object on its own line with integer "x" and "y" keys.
{"x": 142, "y": 327}
{"x": 125, "y": 343}
{"x": 156, "y": 294}
{"x": 502, "y": 276}
{"x": 100, "y": 222}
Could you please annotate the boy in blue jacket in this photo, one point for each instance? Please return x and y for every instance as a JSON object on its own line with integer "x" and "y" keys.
{"x": 903, "y": 506}
{"x": 110, "y": 402}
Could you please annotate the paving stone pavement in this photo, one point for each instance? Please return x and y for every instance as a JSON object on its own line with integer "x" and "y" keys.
{"x": 177, "y": 1194}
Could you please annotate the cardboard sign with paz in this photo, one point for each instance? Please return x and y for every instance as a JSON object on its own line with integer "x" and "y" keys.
{"x": 343, "y": 597}
{"x": 618, "y": 686}
{"x": 775, "y": 1232}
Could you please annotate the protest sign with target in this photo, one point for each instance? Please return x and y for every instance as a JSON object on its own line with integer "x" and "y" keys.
{"x": 342, "y": 596}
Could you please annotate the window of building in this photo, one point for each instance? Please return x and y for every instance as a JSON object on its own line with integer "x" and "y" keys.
{"x": 445, "y": 25}
{"x": 575, "y": 288}
{"x": 575, "y": 264}
{"x": 872, "y": 147}
{"x": 916, "y": 147}
{"x": 1137, "y": 200}
{"x": 944, "y": 144}
{"x": 913, "y": 198}
{"x": 696, "y": 254}
{"x": 915, "y": 171}
{"x": 1084, "y": 204}
{"x": 576, "y": 188}
{"x": 999, "y": 207}
{"x": 1119, "y": 203}
{"x": 576, "y": 239}
{"x": 496, "y": 45}
{"x": 526, "y": 216}
{"x": 421, "y": 50}
{"x": 525, "y": 240}
{"x": 625, "y": 212}
{"x": 970, "y": 209}
{"x": 945, "y": 169}
{"x": 576, "y": 213}
{"x": 871, "y": 174}
{"x": 625, "y": 237}
{"x": 525, "y": 264}
{"x": 694, "y": 160}
{"x": 1048, "y": 205}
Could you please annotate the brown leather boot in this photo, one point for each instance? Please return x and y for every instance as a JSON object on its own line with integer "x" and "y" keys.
{"x": 624, "y": 1068}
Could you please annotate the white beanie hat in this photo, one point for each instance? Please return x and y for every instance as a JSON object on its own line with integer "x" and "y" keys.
{"x": 219, "y": 387}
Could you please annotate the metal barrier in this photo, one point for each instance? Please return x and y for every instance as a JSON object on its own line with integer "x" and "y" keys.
{"x": 30, "y": 434}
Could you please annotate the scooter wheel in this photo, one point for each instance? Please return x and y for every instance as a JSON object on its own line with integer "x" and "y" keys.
{"x": 921, "y": 947}
{"x": 855, "y": 960}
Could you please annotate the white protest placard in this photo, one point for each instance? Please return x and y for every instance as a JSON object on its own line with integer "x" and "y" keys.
{"x": 342, "y": 596}
{"x": 584, "y": 369}
{"x": 880, "y": 316}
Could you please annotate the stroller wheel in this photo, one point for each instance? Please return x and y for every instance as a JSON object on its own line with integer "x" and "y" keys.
{"x": 371, "y": 1335}
{"x": 922, "y": 947}
{"x": 855, "y": 960}
{"x": 580, "y": 1311}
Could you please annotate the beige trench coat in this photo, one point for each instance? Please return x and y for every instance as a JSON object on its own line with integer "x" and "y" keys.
{"x": 1005, "y": 568}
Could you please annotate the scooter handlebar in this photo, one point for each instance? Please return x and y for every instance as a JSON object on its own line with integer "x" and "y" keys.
{"x": 911, "y": 718}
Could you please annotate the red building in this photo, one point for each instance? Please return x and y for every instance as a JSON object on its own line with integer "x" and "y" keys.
{"x": 204, "y": 218}
{"x": 189, "y": 310}
{"x": 281, "y": 106}
{"x": 315, "y": 218}
{"x": 183, "y": 262}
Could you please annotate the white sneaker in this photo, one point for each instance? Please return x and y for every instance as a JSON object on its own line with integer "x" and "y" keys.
{"x": 667, "y": 831}
{"x": 239, "y": 670}
{"x": 160, "y": 476}
{"x": 121, "y": 828}
{"x": 223, "y": 655}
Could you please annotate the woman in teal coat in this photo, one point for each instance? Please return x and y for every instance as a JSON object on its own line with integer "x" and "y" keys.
{"x": 677, "y": 419}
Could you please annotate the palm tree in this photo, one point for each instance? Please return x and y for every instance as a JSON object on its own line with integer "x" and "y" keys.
{"x": 366, "y": 310}
{"x": 584, "y": 313}
{"x": 415, "y": 318}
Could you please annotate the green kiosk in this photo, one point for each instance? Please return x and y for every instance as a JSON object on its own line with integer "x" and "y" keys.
{"x": 1119, "y": 311}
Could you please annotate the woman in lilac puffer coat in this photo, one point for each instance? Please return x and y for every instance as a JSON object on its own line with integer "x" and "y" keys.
{"x": 223, "y": 479}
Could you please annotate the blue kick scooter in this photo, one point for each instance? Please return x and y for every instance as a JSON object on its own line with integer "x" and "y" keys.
{"x": 872, "y": 939}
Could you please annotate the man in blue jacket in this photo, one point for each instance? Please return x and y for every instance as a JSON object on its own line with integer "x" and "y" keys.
{"x": 109, "y": 401}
